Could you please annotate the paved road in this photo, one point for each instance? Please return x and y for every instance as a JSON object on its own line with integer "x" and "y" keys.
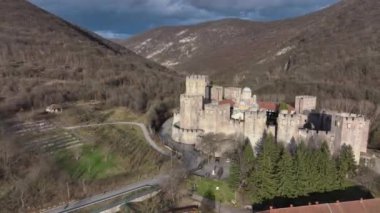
{"x": 151, "y": 142}
{"x": 76, "y": 205}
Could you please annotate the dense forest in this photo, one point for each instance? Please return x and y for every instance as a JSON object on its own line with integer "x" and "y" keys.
{"x": 290, "y": 172}
{"x": 45, "y": 60}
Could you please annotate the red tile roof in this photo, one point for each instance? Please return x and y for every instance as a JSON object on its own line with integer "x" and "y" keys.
{"x": 227, "y": 101}
{"x": 271, "y": 106}
{"x": 367, "y": 206}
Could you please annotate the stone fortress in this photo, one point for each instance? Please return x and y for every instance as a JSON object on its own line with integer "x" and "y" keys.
{"x": 206, "y": 108}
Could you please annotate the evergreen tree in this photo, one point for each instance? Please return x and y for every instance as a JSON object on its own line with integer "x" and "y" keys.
{"x": 247, "y": 160}
{"x": 235, "y": 175}
{"x": 263, "y": 182}
{"x": 345, "y": 165}
{"x": 286, "y": 175}
{"x": 302, "y": 170}
{"x": 326, "y": 180}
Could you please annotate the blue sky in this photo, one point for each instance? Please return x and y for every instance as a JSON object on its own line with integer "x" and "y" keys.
{"x": 123, "y": 18}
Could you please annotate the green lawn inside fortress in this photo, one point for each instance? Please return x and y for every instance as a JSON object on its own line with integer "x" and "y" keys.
{"x": 217, "y": 190}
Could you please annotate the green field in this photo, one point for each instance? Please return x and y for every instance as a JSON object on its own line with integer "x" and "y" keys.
{"x": 84, "y": 113}
{"x": 109, "y": 151}
{"x": 93, "y": 163}
{"x": 213, "y": 189}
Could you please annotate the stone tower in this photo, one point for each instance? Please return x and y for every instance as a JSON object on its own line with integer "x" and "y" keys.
{"x": 198, "y": 85}
{"x": 287, "y": 126}
{"x": 190, "y": 108}
{"x": 254, "y": 126}
{"x": 353, "y": 130}
{"x": 217, "y": 93}
{"x": 305, "y": 103}
{"x": 191, "y": 103}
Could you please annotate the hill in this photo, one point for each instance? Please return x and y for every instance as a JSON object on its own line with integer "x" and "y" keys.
{"x": 333, "y": 53}
{"x": 46, "y": 60}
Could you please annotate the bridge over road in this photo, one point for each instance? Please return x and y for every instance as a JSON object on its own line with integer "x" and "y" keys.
{"x": 76, "y": 205}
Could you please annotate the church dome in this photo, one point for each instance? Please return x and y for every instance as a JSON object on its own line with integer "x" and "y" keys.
{"x": 247, "y": 89}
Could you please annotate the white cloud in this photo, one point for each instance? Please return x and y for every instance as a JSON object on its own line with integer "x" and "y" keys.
{"x": 133, "y": 16}
{"x": 112, "y": 35}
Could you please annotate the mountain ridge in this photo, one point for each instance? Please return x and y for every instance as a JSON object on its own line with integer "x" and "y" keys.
{"x": 45, "y": 59}
{"x": 333, "y": 53}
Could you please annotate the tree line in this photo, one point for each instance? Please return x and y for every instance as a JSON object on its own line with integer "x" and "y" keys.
{"x": 277, "y": 171}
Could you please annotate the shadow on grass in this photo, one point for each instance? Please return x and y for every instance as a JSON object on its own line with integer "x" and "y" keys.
{"x": 349, "y": 194}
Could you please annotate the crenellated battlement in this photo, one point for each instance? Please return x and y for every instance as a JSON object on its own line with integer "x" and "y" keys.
{"x": 197, "y": 131}
{"x": 255, "y": 115}
{"x": 312, "y": 132}
{"x": 197, "y": 77}
{"x": 285, "y": 114}
{"x": 353, "y": 117}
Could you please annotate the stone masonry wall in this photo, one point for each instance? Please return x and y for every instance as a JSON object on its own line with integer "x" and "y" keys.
{"x": 304, "y": 102}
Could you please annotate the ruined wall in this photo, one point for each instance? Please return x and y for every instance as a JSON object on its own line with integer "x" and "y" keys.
{"x": 197, "y": 85}
{"x": 287, "y": 127}
{"x": 190, "y": 107}
{"x": 254, "y": 126}
{"x": 305, "y": 102}
{"x": 216, "y": 93}
{"x": 233, "y": 93}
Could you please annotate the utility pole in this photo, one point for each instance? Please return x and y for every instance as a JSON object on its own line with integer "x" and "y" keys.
{"x": 171, "y": 175}
{"x": 68, "y": 192}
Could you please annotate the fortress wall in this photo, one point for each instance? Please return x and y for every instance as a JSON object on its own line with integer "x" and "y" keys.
{"x": 216, "y": 93}
{"x": 233, "y": 93}
{"x": 305, "y": 102}
{"x": 176, "y": 118}
{"x": 216, "y": 119}
{"x": 287, "y": 127}
{"x": 365, "y": 136}
{"x": 197, "y": 85}
{"x": 190, "y": 107}
{"x": 186, "y": 136}
{"x": 320, "y": 136}
{"x": 254, "y": 126}
{"x": 271, "y": 130}
{"x": 352, "y": 130}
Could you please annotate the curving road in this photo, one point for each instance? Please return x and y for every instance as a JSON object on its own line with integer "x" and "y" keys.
{"x": 151, "y": 142}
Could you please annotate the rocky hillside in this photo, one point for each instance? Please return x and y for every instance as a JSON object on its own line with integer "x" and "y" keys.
{"x": 333, "y": 53}
{"x": 45, "y": 60}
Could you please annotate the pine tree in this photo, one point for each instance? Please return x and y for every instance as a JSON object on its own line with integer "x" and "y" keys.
{"x": 286, "y": 175}
{"x": 302, "y": 170}
{"x": 235, "y": 175}
{"x": 247, "y": 161}
{"x": 263, "y": 181}
{"x": 345, "y": 165}
{"x": 326, "y": 170}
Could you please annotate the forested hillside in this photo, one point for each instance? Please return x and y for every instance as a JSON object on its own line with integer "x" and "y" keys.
{"x": 333, "y": 53}
{"x": 46, "y": 60}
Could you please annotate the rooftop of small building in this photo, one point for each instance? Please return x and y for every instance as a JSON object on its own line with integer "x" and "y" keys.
{"x": 227, "y": 101}
{"x": 266, "y": 105}
{"x": 369, "y": 205}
